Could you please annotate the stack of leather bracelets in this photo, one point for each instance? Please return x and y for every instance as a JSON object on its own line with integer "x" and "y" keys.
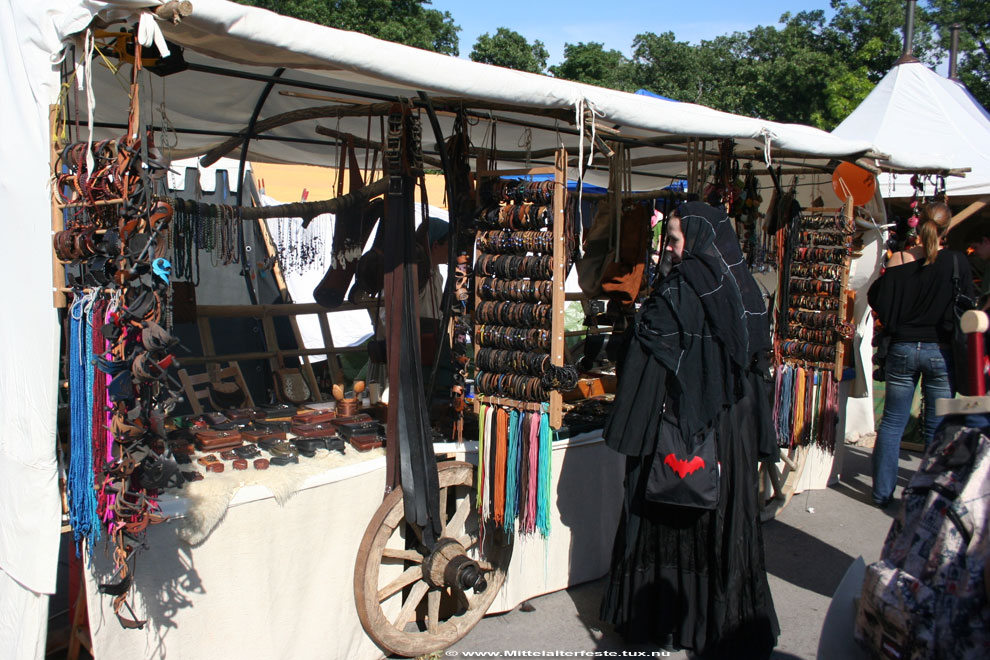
{"x": 814, "y": 323}
{"x": 514, "y": 286}
{"x": 812, "y": 329}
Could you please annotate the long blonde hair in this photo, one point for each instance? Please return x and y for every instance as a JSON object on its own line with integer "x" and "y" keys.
{"x": 934, "y": 222}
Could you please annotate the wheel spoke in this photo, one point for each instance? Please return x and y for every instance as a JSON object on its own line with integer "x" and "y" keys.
{"x": 443, "y": 505}
{"x": 409, "y": 607}
{"x": 433, "y": 612}
{"x": 467, "y": 541}
{"x": 404, "y": 555}
{"x": 407, "y": 577}
{"x": 484, "y": 565}
{"x": 456, "y": 522}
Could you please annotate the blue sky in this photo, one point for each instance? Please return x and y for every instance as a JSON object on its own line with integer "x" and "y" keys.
{"x": 615, "y": 24}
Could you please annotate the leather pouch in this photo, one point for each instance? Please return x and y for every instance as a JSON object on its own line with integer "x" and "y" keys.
{"x": 314, "y": 418}
{"x": 365, "y": 442}
{"x": 348, "y": 431}
{"x": 257, "y": 435}
{"x": 242, "y": 414}
{"x": 313, "y": 430}
{"x": 272, "y": 425}
{"x": 210, "y": 440}
{"x": 354, "y": 419}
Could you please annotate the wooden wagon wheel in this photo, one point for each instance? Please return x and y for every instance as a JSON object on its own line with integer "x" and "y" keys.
{"x": 781, "y": 482}
{"x": 407, "y": 597}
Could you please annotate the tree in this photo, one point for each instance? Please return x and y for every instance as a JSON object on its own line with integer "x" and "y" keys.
{"x": 510, "y": 49}
{"x": 590, "y": 63}
{"x": 667, "y": 67}
{"x": 406, "y": 22}
{"x": 974, "y": 41}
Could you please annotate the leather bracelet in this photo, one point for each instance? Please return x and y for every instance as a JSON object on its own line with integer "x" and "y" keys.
{"x": 240, "y": 464}
{"x": 261, "y": 464}
{"x": 215, "y": 467}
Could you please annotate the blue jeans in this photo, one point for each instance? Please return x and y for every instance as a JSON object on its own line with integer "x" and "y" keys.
{"x": 906, "y": 361}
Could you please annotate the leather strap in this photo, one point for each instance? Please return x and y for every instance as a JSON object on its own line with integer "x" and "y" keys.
{"x": 408, "y": 426}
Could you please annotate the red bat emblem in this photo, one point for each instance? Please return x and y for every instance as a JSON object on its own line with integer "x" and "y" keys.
{"x": 684, "y": 468}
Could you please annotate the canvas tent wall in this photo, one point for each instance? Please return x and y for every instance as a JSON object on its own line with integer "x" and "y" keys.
{"x": 234, "y": 52}
{"x": 914, "y": 111}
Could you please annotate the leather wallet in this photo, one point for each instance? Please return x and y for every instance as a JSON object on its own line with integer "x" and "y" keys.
{"x": 314, "y": 417}
{"x": 313, "y": 430}
{"x": 365, "y": 442}
{"x": 347, "y": 431}
{"x": 208, "y": 440}
{"x": 256, "y": 435}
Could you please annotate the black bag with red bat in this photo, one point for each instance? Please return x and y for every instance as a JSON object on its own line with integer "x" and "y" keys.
{"x": 685, "y": 471}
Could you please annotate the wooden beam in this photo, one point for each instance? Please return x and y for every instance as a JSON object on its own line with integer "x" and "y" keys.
{"x": 309, "y": 210}
{"x": 975, "y": 207}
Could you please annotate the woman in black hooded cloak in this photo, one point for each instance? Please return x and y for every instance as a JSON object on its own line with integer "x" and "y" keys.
{"x": 695, "y": 364}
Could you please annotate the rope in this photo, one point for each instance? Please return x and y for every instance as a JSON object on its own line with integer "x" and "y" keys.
{"x": 480, "y": 485}
{"x": 798, "y": 407}
{"x": 525, "y": 422}
{"x": 501, "y": 432}
{"x": 82, "y": 499}
{"x": 543, "y": 501}
{"x": 512, "y": 472}
{"x": 533, "y": 471}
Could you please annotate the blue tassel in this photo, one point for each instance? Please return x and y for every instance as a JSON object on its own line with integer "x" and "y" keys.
{"x": 81, "y": 493}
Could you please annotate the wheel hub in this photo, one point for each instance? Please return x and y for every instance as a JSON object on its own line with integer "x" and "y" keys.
{"x": 449, "y": 566}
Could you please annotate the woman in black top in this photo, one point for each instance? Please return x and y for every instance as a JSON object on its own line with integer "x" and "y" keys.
{"x": 694, "y": 366}
{"x": 913, "y": 302}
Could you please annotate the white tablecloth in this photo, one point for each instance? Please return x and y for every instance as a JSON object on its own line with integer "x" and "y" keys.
{"x": 276, "y": 581}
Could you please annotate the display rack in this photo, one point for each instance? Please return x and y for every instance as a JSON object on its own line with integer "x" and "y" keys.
{"x": 556, "y": 302}
{"x": 817, "y": 289}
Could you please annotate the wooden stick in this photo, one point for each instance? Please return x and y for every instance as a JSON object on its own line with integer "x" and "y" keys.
{"x": 309, "y": 210}
{"x": 174, "y": 10}
{"x": 260, "y": 311}
{"x": 102, "y": 202}
{"x": 59, "y": 298}
{"x": 559, "y": 274}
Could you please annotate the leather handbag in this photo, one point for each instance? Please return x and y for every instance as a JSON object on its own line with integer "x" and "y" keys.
{"x": 685, "y": 471}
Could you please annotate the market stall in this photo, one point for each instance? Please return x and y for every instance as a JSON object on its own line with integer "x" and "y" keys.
{"x": 284, "y": 90}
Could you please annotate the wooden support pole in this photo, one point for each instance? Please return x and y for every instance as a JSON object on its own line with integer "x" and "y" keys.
{"x": 559, "y": 274}
{"x": 59, "y": 298}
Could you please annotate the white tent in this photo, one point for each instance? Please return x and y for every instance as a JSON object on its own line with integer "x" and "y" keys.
{"x": 234, "y": 53}
{"x": 914, "y": 111}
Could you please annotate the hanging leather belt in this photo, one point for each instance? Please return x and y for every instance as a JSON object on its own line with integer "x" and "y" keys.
{"x": 408, "y": 436}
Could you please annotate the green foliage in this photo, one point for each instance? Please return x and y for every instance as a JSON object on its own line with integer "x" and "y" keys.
{"x": 804, "y": 70}
{"x": 406, "y": 22}
{"x": 590, "y": 63}
{"x": 510, "y": 49}
{"x": 974, "y": 41}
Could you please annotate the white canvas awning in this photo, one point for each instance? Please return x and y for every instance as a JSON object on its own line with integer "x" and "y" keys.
{"x": 926, "y": 123}
{"x": 233, "y": 53}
